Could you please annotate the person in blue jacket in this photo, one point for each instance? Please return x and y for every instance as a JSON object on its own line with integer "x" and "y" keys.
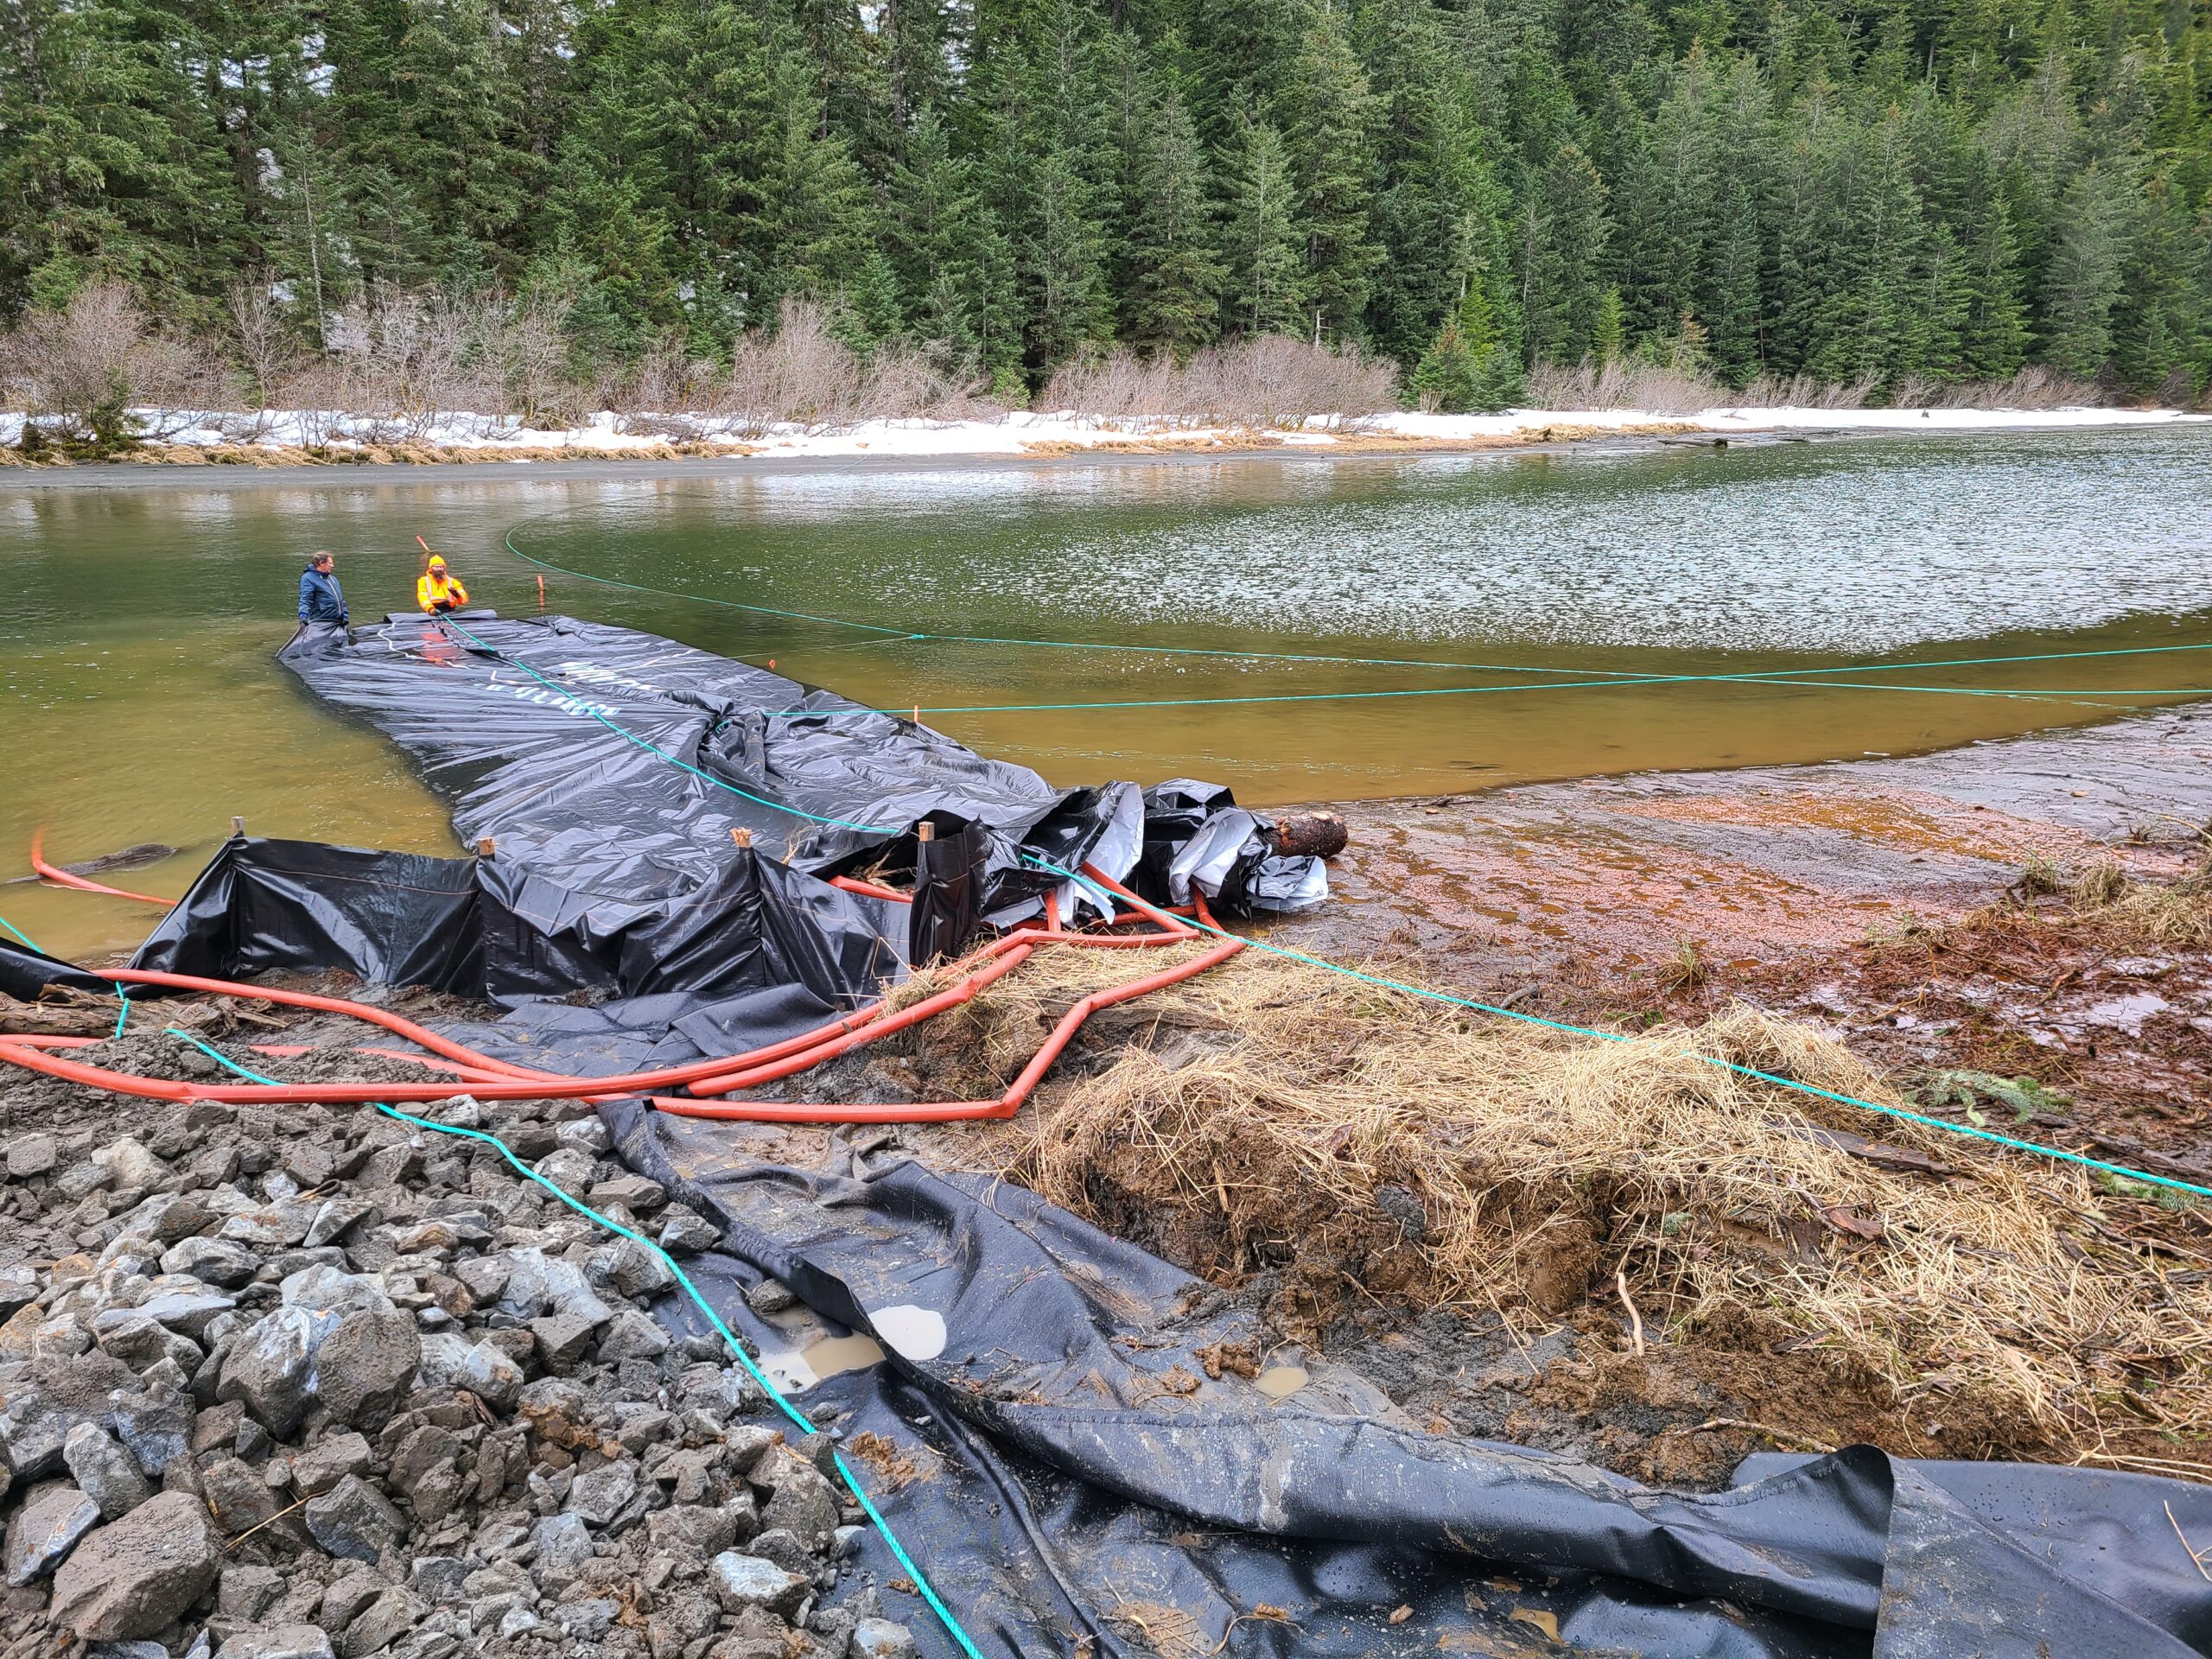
{"x": 321, "y": 600}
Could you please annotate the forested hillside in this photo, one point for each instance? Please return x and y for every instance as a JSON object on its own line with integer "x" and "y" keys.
{"x": 1935, "y": 189}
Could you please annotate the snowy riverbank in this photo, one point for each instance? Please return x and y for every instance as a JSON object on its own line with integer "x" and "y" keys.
{"x": 278, "y": 436}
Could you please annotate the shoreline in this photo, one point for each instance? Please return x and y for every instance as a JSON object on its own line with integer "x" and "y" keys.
{"x": 597, "y": 452}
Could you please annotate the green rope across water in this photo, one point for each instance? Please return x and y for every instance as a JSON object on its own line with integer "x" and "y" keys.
{"x": 783, "y": 1404}
{"x": 1606, "y": 677}
{"x": 20, "y": 934}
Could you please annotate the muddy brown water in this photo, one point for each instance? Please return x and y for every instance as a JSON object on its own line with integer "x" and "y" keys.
{"x": 139, "y": 702}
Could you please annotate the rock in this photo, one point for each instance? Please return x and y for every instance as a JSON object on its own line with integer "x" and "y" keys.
{"x": 387, "y": 1618}
{"x": 154, "y": 1420}
{"x": 845, "y": 1543}
{"x": 105, "y": 1473}
{"x": 246, "y": 1592}
{"x": 586, "y": 1621}
{"x": 143, "y": 1344}
{"x": 771, "y": 1296}
{"x": 18, "y": 1287}
{"x": 344, "y": 1600}
{"x": 38, "y": 1411}
{"x": 185, "y": 1312}
{"x": 277, "y": 1642}
{"x": 219, "y": 1262}
{"x": 803, "y": 1502}
{"x": 691, "y": 1532}
{"x": 597, "y": 1495}
{"x": 135, "y": 1649}
{"x": 334, "y": 1218}
{"x": 628, "y": 1268}
{"x": 516, "y": 1621}
{"x": 878, "y": 1638}
{"x": 364, "y": 1367}
{"x": 537, "y": 1285}
{"x": 322, "y": 1465}
{"x": 686, "y": 1234}
{"x": 354, "y": 1521}
{"x": 636, "y": 1193}
{"x": 567, "y": 1168}
{"x": 134, "y": 1577}
{"x": 438, "y": 1578}
{"x": 483, "y": 1276}
{"x": 30, "y": 1155}
{"x": 586, "y": 1134}
{"x": 237, "y": 1495}
{"x": 782, "y": 1545}
{"x": 740, "y": 1582}
{"x": 337, "y": 1338}
{"x": 561, "y": 1339}
{"x": 562, "y": 1541}
{"x": 450, "y": 1361}
{"x": 45, "y": 1530}
{"x": 632, "y": 1335}
{"x": 679, "y": 1618}
{"x": 130, "y": 1163}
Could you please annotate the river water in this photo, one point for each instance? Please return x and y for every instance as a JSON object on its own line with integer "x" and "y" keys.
{"x": 139, "y": 702}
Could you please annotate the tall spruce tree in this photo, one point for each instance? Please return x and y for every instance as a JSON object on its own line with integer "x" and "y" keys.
{"x": 1262, "y": 243}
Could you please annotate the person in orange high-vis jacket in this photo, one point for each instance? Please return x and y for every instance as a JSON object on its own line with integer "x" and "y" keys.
{"x": 438, "y": 592}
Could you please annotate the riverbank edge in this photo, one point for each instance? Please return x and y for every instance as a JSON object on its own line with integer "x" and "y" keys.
{"x": 599, "y": 451}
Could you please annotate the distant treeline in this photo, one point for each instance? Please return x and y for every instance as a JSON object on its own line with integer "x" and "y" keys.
{"x": 1870, "y": 193}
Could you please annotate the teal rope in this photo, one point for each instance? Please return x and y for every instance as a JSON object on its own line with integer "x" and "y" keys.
{"x": 1626, "y": 676}
{"x": 122, "y": 1013}
{"x": 797, "y": 1417}
{"x": 1377, "y": 980}
{"x": 20, "y": 934}
{"x": 1473, "y": 690}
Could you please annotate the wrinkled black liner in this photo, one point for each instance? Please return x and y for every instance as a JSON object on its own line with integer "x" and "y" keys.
{"x": 536, "y": 767}
{"x": 1069, "y": 1483}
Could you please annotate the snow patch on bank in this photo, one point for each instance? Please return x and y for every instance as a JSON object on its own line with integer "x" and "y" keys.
{"x": 1028, "y": 432}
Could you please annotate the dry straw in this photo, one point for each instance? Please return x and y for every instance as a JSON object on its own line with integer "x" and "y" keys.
{"x": 1276, "y": 1109}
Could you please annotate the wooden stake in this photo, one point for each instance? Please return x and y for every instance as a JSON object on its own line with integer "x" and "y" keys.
{"x": 237, "y": 825}
{"x": 484, "y": 848}
{"x": 742, "y": 837}
{"x": 925, "y": 830}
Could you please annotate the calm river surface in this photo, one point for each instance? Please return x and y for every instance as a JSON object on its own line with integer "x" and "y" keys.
{"x": 138, "y": 701}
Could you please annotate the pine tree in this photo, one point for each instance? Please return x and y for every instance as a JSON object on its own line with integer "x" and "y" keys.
{"x": 1262, "y": 245}
{"x": 1563, "y": 284}
{"x": 1328, "y": 117}
{"x": 1174, "y": 297}
{"x": 2084, "y": 282}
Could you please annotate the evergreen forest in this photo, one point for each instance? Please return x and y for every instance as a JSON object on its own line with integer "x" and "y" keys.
{"x": 1878, "y": 191}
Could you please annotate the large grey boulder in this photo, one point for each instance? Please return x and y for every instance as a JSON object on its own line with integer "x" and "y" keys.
{"x": 739, "y": 1581}
{"x": 354, "y": 1521}
{"x": 277, "y": 1642}
{"x": 134, "y": 1577}
{"x": 336, "y": 1338}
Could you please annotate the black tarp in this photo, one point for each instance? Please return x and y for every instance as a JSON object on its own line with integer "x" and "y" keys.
{"x": 756, "y": 952}
{"x": 515, "y": 720}
{"x": 1069, "y": 1478}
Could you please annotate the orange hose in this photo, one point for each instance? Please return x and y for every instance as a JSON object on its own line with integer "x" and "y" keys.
{"x": 56, "y": 876}
{"x": 950, "y": 1111}
{"x": 852, "y": 883}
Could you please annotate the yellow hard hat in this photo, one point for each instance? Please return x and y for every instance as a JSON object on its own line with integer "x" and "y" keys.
{"x": 436, "y": 563}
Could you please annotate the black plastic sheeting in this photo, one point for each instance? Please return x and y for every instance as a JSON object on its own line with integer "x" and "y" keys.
{"x": 754, "y": 953}
{"x": 1072, "y": 1492}
{"x": 25, "y": 970}
{"x": 519, "y": 732}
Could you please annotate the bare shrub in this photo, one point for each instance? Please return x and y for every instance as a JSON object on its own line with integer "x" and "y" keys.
{"x": 407, "y": 360}
{"x": 1674, "y": 389}
{"x": 799, "y": 374}
{"x": 1267, "y": 381}
{"x": 94, "y": 365}
{"x": 521, "y": 349}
